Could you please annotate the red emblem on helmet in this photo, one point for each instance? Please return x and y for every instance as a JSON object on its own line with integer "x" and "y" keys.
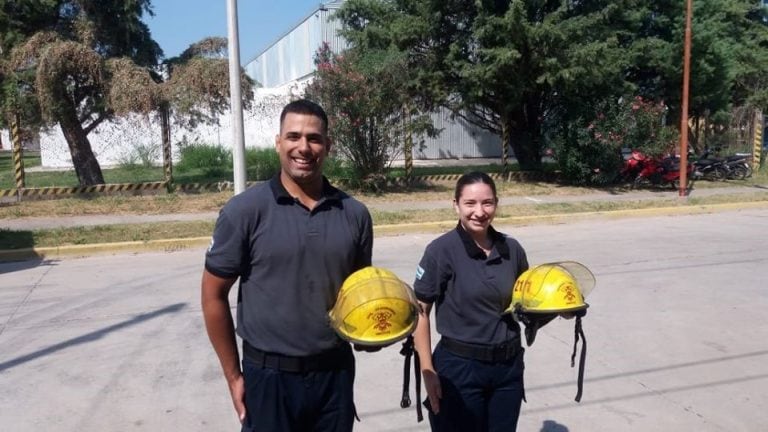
{"x": 381, "y": 316}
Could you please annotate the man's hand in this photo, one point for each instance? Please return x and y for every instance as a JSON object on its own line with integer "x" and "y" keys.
{"x": 434, "y": 390}
{"x": 237, "y": 391}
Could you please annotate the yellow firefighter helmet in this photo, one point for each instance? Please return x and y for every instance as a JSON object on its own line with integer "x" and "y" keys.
{"x": 552, "y": 288}
{"x": 545, "y": 291}
{"x": 374, "y": 308}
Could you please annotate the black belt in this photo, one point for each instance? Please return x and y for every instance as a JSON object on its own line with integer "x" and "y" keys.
{"x": 488, "y": 353}
{"x": 337, "y": 358}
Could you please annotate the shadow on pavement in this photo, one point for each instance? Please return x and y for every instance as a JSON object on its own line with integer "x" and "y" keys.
{"x": 552, "y": 426}
{"x": 657, "y": 369}
{"x": 8, "y": 265}
{"x": 92, "y": 336}
{"x": 17, "y": 247}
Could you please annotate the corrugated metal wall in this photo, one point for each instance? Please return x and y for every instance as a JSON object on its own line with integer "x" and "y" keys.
{"x": 331, "y": 29}
{"x": 292, "y": 56}
{"x": 458, "y": 140}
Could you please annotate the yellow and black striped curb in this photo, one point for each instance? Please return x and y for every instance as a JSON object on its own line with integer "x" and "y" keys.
{"x": 80, "y": 190}
{"x": 177, "y": 245}
{"x": 228, "y": 185}
{"x": 511, "y": 176}
{"x": 208, "y": 187}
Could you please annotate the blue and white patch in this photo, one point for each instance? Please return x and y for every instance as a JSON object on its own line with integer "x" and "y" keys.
{"x": 419, "y": 272}
{"x": 210, "y": 246}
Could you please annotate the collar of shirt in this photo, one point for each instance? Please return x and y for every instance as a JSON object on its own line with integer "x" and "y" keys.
{"x": 474, "y": 251}
{"x": 330, "y": 193}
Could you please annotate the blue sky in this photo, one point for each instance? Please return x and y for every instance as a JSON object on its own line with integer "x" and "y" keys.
{"x": 179, "y": 23}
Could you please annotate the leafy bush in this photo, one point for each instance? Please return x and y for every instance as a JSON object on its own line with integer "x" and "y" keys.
{"x": 370, "y": 126}
{"x": 588, "y": 151}
{"x": 211, "y": 159}
{"x": 141, "y": 155}
{"x": 261, "y": 164}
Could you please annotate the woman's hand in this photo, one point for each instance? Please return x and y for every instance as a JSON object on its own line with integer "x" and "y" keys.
{"x": 434, "y": 391}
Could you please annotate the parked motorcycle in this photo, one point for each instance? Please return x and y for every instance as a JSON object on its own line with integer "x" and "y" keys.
{"x": 632, "y": 167}
{"x": 738, "y": 166}
{"x": 710, "y": 168}
{"x": 663, "y": 172}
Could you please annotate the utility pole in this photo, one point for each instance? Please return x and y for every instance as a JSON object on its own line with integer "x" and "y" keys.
{"x": 235, "y": 98}
{"x": 684, "y": 108}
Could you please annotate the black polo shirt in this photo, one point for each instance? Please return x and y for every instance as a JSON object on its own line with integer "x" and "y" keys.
{"x": 291, "y": 263}
{"x": 470, "y": 290}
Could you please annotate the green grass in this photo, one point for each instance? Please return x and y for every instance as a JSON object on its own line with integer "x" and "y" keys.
{"x": 7, "y": 169}
{"x": 10, "y": 240}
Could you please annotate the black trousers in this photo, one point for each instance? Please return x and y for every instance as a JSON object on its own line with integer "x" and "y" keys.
{"x": 477, "y": 395}
{"x": 277, "y": 400}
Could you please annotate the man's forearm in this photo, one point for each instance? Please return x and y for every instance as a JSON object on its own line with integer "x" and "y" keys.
{"x": 221, "y": 332}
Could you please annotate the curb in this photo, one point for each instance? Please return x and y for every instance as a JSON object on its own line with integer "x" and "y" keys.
{"x": 81, "y": 251}
{"x": 182, "y": 244}
{"x": 440, "y": 226}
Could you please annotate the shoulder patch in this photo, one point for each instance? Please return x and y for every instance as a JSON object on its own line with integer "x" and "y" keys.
{"x": 419, "y": 272}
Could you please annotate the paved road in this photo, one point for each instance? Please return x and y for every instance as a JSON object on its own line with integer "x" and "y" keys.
{"x": 33, "y": 223}
{"x": 676, "y": 332}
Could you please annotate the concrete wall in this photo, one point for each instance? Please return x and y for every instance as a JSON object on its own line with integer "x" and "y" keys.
{"x": 122, "y": 140}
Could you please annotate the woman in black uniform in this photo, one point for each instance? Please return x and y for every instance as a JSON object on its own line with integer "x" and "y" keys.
{"x": 474, "y": 378}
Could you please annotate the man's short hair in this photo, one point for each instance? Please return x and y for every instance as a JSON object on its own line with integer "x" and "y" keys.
{"x": 307, "y": 107}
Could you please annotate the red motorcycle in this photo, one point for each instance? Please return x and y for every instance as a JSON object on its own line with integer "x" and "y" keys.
{"x": 661, "y": 172}
{"x": 632, "y": 167}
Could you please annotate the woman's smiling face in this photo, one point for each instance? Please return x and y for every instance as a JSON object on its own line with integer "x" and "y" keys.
{"x": 476, "y": 207}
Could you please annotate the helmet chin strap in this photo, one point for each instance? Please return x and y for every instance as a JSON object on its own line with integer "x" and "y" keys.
{"x": 579, "y": 333}
{"x": 533, "y": 322}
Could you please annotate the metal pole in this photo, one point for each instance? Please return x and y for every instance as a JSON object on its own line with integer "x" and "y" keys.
{"x": 684, "y": 108}
{"x": 236, "y": 102}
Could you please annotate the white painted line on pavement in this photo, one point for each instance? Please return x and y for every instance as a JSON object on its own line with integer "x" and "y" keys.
{"x": 536, "y": 200}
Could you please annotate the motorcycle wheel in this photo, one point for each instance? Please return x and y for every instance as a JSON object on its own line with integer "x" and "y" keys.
{"x": 676, "y": 183}
{"x": 716, "y": 174}
{"x": 639, "y": 182}
{"x": 738, "y": 173}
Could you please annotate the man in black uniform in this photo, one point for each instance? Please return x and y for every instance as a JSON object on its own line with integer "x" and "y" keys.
{"x": 292, "y": 242}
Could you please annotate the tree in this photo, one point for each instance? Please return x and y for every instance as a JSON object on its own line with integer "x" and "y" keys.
{"x": 83, "y": 62}
{"x": 71, "y": 61}
{"x": 195, "y": 87}
{"x": 367, "y": 107}
{"x": 728, "y": 56}
{"x": 18, "y": 20}
{"x": 524, "y": 68}
{"x": 503, "y": 65}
